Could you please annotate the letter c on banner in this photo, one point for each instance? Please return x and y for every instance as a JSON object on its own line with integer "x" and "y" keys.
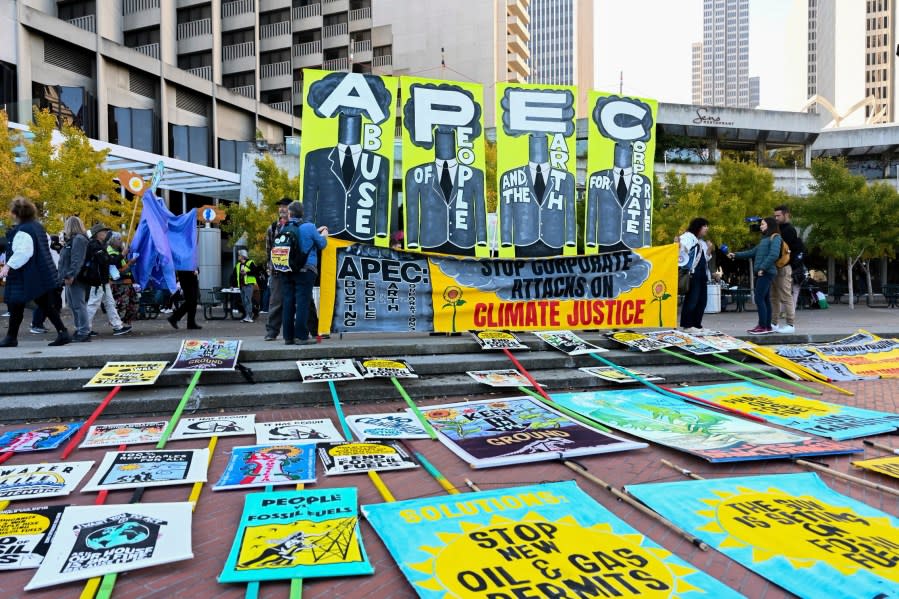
{"x": 617, "y": 107}
{"x": 439, "y": 107}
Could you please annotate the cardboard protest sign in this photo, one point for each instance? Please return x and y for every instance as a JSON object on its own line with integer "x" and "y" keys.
{"x": 36, "y": 481}
{"x": 320, "y": 430}
{"x": 156, "y": 468}
{"x": 721, "y": 341}
{"x": 888, "y": 466}
{"x": 127, "y": 374}
{"x": 639, "y": 341}
{"x": 684, "y": 341}
{"x": 394, "y": 425}
{"x": 297, "y": 534}
{"x": 46, "y": 437}
{"x": 497, "y": 340}
{"x": 25, "y": 536}
{"x": 386, "y": 368}
{"x": 318, "y": 371}
{"x": 199, "y": 427}
{"x": 711, "y": 435}
{"x": 207, "y": 354}
{"x": 569, "y": 343}
{"x": 814, "y": 416}
{"x": 790, "y": 528}
{"x": 857, "y": 357}
{"x": 261, "y": 465}
{"x": 607, "y": 373}
{"x": 133, "y": 433}
{"x": 548, "y": 540}
{"x": 355, "y": 458}
{"x": 513, "y": 431}
{"x": 508, "y": 377}
{"x": 103, "y": 539}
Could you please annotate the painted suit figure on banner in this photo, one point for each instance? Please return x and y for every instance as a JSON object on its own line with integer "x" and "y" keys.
{"x": 537, "y": 205}
{"x": 619, "y": 199}
{"x": 345, "y": 187}
{"x": 445, "y": 207}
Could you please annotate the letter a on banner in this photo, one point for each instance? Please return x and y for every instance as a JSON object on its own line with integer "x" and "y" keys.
{"x": 347, "y": 153}
{"x": 535, "y": 154}
{"x": 620, "y": 160}
{"x": 443, "y": 157}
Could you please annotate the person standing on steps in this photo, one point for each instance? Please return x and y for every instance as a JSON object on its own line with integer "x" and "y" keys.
{"x": 122, "y": 288}
{"x": 298, "y": 282}
{"x": 100, "y": 289}
{"x": 785, "y": 290}
{"x": 245, "y": 272}
{"x": 694, "y": 254}
{"x": 190, "y": 286}
{"x": 29, "y": 272}
{"x": 765, "y": 254}
{"x": 71, "y": 259}
{"x": 273, "y": 325}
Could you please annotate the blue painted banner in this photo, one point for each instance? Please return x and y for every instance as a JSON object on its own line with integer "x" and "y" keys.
{"x": 790, "y": 528}
{"x": 714, "y": 436}
{"x": 37, "y": 439}
{"x": 297, "y": 534}
{"x": 261, "y": 465}
{"x": 549, "y": 540}
{"x": 807, "y": 415}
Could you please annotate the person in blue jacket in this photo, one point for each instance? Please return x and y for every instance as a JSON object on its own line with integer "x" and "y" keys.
{"x": 297, "y": 287}
{"x": 765, "y": 254}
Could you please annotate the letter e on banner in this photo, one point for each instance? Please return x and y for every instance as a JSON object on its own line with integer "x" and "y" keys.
{"x": 531, "y": 110}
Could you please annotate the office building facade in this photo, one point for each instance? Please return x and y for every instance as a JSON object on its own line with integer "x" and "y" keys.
{"x": 724, "y": 76}
{"x": 561, "y": 44}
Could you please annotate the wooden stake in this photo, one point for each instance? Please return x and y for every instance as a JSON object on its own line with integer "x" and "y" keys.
{"x": 636, "y": 504}
{"x": 881, "y": 446}
{"x": 472, "y": 486}
{"x": 683, "y": 471}
{"x": 849, "y": 477}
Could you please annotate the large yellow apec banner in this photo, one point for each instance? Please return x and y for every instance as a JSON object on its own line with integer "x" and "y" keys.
{"x": 620, "y": 159}
{"x": 347, "y": 153}
{"x": 365, "y": 289}
{"x": 444, "y": 205}
{"x": 536, "y": 170}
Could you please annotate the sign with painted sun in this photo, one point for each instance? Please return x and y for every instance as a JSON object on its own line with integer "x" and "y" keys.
{"x": 790, "y": 528}
{"x": 549, "y": 540}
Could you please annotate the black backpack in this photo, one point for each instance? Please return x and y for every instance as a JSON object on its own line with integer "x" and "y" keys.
{"x": 95, "y": 270}
{"x": 286, "y": 255}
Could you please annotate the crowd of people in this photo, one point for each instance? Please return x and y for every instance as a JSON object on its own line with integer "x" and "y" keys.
{"x": 776, "y": 288}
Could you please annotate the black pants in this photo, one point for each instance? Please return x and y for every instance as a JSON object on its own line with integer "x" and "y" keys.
{"x": 695, "y": 301}
{"x": 190, "y": 287}
{"x": 45, "y": 303}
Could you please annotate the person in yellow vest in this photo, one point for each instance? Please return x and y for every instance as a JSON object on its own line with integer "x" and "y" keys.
{"x": 245, "y": 272}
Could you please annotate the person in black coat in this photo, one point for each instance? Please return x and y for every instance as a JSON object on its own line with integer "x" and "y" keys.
{"x": 30, "y": 273}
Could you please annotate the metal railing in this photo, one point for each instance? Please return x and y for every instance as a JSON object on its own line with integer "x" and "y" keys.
{"x": 382, "y": 61}
{"x": 87, "y": 22}
{"x": 337, "y": 64}
{"x": 194, "y": 28}
{"x": 275, "y": 69}
{"x": 298, "y": 88}
{"x": 151, "y": 50}
{"x": 247, "y": 91}
{"x": 282, "y": 106}
{"x": 330, "y": 1}
{"x": 362, "y": 46}
{"x": 360, "y": 13}
{"x": 129, "y": 7}
{"x": 307, "y": 48}
{"x": 274, "y": 29}
{"x": 201, "y": 72}
{"x": 334, "y": 30}
{"x": 236, "y": 51}
{"x": 238, "y": 7}
{"x": 304, "y": 12}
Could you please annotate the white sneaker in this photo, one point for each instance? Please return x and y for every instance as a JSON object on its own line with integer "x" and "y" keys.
{"x": 693, "y": 331}
{"x": 247, "y": 320}
{"x": 786, "y": 329}
{"x": 775, "y": 327}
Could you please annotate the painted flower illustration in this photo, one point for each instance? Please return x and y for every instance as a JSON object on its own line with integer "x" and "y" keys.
{"x": 660, "y": 294}
{"x": 452, "y": 295}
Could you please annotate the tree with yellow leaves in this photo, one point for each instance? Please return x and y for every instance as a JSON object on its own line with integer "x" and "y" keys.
{"x": 62, "y": 179}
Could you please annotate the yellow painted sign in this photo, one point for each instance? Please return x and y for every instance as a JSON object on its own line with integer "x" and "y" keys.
{"x": 127, "y": 374}
{"x": 888, "y": 465}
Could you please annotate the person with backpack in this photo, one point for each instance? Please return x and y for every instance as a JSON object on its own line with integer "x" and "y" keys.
{"x": 294, "y": 256}
{"x": 765, "y": 255}
{"x": 29, "y": 272}
{"x": 785, "y": 291}
{"x": 71, "y": 260}
{"x": 95, "y": 274}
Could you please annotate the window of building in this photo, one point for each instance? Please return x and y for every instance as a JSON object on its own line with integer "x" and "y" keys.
{"x": 135, "y": 128}
{"x": 189, "y": 143}
{"x": 231, "y": 153}
{"x": 72, "y": 10}
{"x": 72, "y": 106}
{"x": 194, "y": 13}
{"x": 231, "y": 38}
{"x": 142, "y": 37}
{"x": 194, "y": 61}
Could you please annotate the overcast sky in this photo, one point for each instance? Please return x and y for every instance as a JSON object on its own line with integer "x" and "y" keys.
{"x": 650, "y": 42}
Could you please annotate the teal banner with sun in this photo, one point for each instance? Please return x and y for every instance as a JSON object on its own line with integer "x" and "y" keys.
{"x": 801, "y": 413}
{"x": 550, "y": 540}
{"x": 790, "y": 528}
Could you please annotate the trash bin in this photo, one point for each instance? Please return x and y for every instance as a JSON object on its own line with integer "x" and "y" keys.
{"x": 713, "y": 301}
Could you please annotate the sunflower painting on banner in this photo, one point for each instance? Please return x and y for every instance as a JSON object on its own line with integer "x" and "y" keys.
{"x": 347, "y": 154}
{"x": 444, "y": 204}
{"x": 536, "y": 170}
{"x": 620, "y": 151}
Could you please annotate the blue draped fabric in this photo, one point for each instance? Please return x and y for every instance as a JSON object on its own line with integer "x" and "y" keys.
{"x": 165, "y": 242}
